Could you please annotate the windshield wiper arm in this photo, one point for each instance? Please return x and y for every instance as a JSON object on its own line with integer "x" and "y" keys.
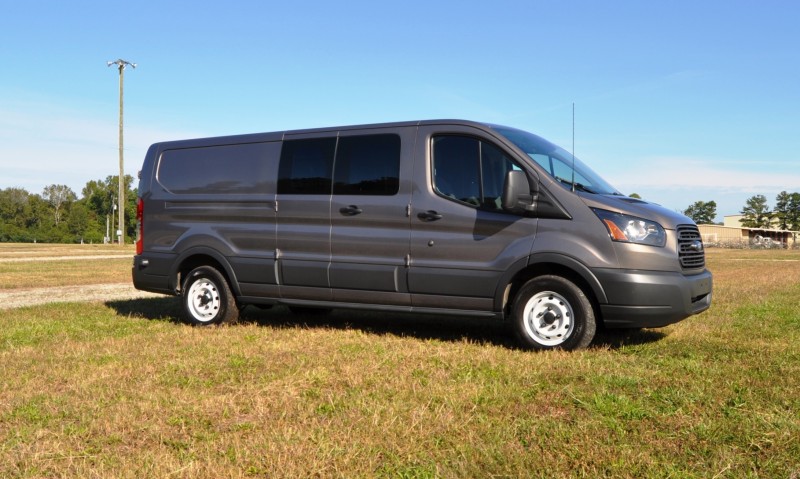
{"x": 576, "y": 185}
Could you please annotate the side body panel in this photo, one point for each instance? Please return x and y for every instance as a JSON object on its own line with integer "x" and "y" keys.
{"x": 191, "y": 208}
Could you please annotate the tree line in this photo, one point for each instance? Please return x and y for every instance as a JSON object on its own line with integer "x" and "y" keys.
{"x": 57, "y": 215}
{"x": 756, "y": 212}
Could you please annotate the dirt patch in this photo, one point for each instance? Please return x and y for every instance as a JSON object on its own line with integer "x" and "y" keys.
{"x": 63, "y": 258}
{"x": 63, "y": 294}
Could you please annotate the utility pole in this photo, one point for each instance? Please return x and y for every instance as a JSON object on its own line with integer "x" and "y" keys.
{"x": 121, "y": 64}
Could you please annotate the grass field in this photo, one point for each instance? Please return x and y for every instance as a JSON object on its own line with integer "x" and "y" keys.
{"x": 123, "y": 389}
{"x": 47, "y": 265}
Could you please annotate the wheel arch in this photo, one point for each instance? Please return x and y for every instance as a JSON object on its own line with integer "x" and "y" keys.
{"x": 202, "y": 256}
{"x": 554, "y": 264}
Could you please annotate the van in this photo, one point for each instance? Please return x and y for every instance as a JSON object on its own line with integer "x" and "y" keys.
{"x": 440, "y": 216}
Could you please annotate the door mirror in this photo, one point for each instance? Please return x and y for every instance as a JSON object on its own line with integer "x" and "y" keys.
{"x": 518, "y": 195}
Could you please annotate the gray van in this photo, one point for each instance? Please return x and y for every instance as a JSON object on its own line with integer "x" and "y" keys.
{"x": 440, "y": 216}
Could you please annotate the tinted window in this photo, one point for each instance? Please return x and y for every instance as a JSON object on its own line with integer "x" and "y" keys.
{"x": 367, "y": 165}
{"x": 470, "y": 171}
{"x": 557, "y": 162}
{"x": 306, "y": 166}
{"x": 494, "y": 166}
{"x": 456, "y": 171}
{"x": 228, "y": 169}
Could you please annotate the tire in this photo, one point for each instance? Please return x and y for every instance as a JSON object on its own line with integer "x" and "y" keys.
{"x": 207, "y": 298}
{"x": 551, "y": 312}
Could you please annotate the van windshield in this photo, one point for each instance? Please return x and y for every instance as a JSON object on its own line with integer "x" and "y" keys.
{"x": 558, "y": 162}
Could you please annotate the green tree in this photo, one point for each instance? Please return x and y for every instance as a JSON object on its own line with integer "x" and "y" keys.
{"x": 15, "y": 214}
{"x": 78, "y": 221}
{"x": 97, "y": 196}
{"x": 702, "y": 212}
{"x": 100, "y": 197}
{"x": 787, "y": 210}
{"x": 756, "y": 212}
{"x": 793, "y": 215}
{"x": 40, "y": 223}
{"x": 59, "y": 196}
{"x": 59, "y": 216}
{"x": 782, "y": 211}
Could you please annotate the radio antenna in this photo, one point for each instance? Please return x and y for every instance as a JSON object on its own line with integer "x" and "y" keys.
{"x": 573, "y": 147}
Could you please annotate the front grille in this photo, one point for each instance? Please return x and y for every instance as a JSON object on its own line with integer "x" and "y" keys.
{"x": 690, "y": 247}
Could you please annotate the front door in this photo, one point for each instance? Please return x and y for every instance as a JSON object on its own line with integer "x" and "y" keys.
{"x": 461, "y": 240}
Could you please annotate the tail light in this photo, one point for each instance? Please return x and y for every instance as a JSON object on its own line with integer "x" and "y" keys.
{"x": 139, "y": 226}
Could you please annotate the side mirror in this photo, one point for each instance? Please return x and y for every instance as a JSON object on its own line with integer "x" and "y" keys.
{"x": 518, "y": 195}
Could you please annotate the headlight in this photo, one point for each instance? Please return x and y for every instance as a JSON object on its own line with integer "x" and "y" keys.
{"x": 631, "y": 229}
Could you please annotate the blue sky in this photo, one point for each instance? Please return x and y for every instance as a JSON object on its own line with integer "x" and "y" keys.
{"x": 678, "y": 101}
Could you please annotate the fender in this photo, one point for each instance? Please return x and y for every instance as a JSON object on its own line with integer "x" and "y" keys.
{"x": 505, "y": 280}
{"x": 575, "y": 265}
{"x": 562, "y": 260}
{"x": 204, "y": 251}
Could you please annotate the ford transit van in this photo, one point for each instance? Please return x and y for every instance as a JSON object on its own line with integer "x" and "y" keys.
{"x": 441, "y": 216}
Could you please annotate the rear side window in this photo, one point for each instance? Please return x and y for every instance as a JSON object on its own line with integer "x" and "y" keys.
{"x": 367, "y": 165}
{"x": 363, "y": 165}
{"x": 226, "y": 169}
{"x": 306, "y": 167}
{"x": 470, "y": 171}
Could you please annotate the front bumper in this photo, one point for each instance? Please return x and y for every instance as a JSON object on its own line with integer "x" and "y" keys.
{"x": 652, "y": 299}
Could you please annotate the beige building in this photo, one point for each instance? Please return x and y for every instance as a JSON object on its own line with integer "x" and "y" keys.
{"x": 732, "y": 233}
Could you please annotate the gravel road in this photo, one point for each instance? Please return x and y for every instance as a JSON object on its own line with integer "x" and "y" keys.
{"x": 17, "y": 298}
{"x": 64, "y": 258}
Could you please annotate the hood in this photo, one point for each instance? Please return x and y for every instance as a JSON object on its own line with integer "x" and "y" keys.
{"x": 650, "y": 211}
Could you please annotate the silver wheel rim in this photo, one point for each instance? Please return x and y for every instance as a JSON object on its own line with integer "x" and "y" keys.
{"x": 203, "y": 300}
{"x": 548, "y": 318}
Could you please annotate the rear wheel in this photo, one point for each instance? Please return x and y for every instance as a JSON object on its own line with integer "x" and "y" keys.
{"x": 207, "y": 298}
{"x": 551, "y": 312}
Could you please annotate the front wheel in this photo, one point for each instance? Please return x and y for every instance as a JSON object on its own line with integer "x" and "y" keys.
{"x": 551, "y": 312}
{"x": 207, "y": 298}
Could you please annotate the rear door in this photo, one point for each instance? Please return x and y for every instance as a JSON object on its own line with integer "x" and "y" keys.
{"x": 462, "y": 242}
{"x": 303, "y": 211}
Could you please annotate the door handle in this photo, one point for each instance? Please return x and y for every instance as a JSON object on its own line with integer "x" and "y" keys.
{"x": 429, "y": 215}
{"x": 351, "y": 210}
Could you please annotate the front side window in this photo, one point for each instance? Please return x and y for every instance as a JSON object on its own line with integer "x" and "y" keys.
{"x": 470, "y": 171}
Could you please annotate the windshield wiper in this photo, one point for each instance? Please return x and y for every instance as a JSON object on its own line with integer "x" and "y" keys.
{"x": 576, "y": 185}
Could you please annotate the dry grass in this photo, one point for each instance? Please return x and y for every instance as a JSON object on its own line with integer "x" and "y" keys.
{"x": 47, "y": 265}
{"x": 42, "y": 274}
{"x": 124, "y": 390}
{"x": 25, "y": 266}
